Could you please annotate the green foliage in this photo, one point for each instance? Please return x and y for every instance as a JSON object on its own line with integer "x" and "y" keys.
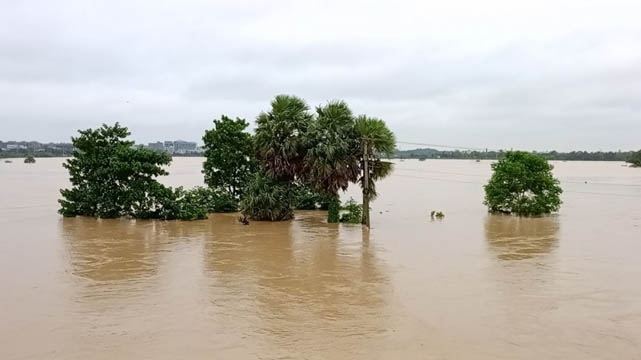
{"x": 172, "y": 204}
{"x": 229, "y": 153}
{"x": 523, "y": 184}
{"x": 437, "y": 214}
{"x": 635, "y": 159}
{"x": 111, "y": 178}
{"x": 267, "y": 199}
{"x": 29, "y": 160}
{"x": 334, "y": 210}
{"x": 353, "y": 212}
{"x": 279, "y": 137}
{"x": 332, "y": 161}
{"x": 215, "y": 201}
{"x": 306, "y": 198}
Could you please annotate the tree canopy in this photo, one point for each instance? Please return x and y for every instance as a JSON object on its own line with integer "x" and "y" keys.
{"x": 230, "y": 161}
{"x": 110, "y": 178}
{"x": 522, "y": 183}
{"x": 279, "y": 137}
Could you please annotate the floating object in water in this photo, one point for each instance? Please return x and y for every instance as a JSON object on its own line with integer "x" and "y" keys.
{"x": 243, "y": 220}
{"x": 8, "y": 161}
{"x": 437, "y": 214}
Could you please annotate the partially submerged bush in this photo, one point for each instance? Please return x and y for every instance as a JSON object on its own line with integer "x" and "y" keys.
{"x": 215, "y": 201}
{"x": 267, "y": 199}
{"x": 306, "y": 198}
{"x": 437, "y": 214}
{"x": 353, "y": 212}
{"x": 523, "y": 184}
{"x": 29, "y": 160}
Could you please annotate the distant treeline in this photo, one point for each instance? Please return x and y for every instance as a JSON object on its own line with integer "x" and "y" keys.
{"x": 428, "y": 153}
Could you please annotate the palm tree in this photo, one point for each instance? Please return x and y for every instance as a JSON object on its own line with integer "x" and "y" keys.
{"x": 331, "y": 162}
{"x": 279, "y": 137}
{"x": 375, "y": 139}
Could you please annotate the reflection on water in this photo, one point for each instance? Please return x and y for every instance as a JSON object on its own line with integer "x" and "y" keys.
{"x": 121, "y": 249}
{"x": 294, "y": 281}
{"x": 518, "y": 238}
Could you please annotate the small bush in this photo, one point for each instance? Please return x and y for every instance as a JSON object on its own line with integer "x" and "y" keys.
{"x": 353, "y": 212}
{"x": 267, "y": 199}
{"x": 29, "y": 160}
{"x": 305, "y": 198}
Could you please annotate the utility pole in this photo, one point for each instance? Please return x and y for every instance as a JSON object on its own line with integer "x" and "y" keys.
{"x": 365, "y": 185}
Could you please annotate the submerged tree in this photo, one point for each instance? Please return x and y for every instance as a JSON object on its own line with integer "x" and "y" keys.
{"x": 375, "y": 139}
{"x": 267, "y": 199}
{"x": 29, "y": 160}
{"x": 523, "y": 184}
{"x": 110, "y": 178}
{"x": 230, "y": 161}
{"x": 635, "y": 159}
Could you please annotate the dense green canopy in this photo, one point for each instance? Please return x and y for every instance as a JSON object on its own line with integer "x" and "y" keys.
{"x": 523, "y": 184}
{"x": 229, "y": 153}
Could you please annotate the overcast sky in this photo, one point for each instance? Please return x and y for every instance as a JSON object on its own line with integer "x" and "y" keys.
{"x": 541, "y": 75}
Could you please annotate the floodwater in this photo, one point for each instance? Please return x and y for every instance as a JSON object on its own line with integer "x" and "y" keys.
{"x": 470, "y": 286}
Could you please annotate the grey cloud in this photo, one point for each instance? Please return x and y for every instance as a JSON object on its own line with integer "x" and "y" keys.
{"x": 500, "y": 75}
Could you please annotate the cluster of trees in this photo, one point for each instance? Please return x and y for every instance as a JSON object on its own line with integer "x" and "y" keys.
{"x": 296, "y": 159}
{"x": 111, "y": 178}
{"x": 428, "y": 153}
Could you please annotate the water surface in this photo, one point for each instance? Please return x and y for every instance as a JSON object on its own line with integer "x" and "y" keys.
{"x": 472, "y": 285}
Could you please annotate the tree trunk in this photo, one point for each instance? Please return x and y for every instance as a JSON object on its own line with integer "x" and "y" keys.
{"x": 365, "y": 186}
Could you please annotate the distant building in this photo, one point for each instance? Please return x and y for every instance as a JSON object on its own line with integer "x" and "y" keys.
{"x": 158, "y": 146}
{"x": 169, "y": 147}
{"x": 184, "y": 147}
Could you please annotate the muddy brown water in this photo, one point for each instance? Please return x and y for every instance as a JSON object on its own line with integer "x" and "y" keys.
{"x": 471, "y": 286}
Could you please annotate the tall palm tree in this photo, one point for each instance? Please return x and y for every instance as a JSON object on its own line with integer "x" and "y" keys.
{"x": 330, "y": 164}
{"x": 279, "y": 137}
{"x": 374, "y": 139}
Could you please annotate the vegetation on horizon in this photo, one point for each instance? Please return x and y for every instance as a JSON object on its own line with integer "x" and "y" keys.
{"x": 635, "y": 159}
{"x": 522, "y": 183}
{"x": 428, "y": 153}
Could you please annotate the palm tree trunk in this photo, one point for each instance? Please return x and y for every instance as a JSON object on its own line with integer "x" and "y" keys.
{"x": 365, "y": 220}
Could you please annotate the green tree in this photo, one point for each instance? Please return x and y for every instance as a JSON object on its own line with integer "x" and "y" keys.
{"x": 635, "y": 159}
{"x": 279, "y": 137}
{"x": 229, "y": 153}
{"x": 522, "y": 183}
{"x": 29, "y": 160}
{"x": 110, "y": 178}
{"x": 375, "y": 139}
